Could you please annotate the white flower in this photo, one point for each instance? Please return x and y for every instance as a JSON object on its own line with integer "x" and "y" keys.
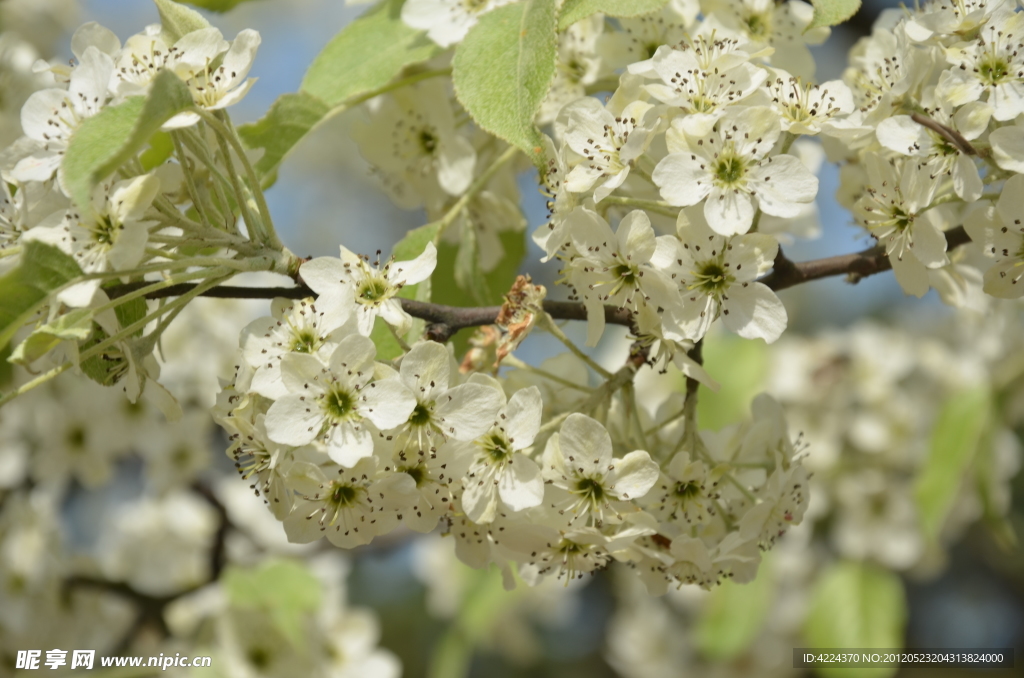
{"x": 112, "y": 239}
{"x": 702, "y": 78}
{"x": 415, "y": 147}
{"x": 905, "y": 136}
{"x": 462, "y": 412}
{"x": 621, "y": 268}
{"x": 685, "y": 492}
{"x": 500, "y": 468}
{"x": 606, "y": 143}
{"x": 215, "y": 82}
{"x": 333, "y": 404}
{"x": 729, "y": 170}
{"x": 51, "y": 116}
{"x": 578, "y": 459}
{"x": 937, "y": 19}
{"x": 348, "y": 506}
{"x": 717, "y": 274}
{"x": 783, "y": 501}
{"x": 781, "y": 25}
{"x": 301, "y": 326}
{"x": 804, "y": 107}
{"x": 350, "y": 282}
{"x": 991, "y": 65}
{"x": 892, "y": 208}
{"x": 446, "y": 21}
{"x": 999, "y": 232}
{"x": 1008, "y": 147}
{"x": 640, "y": 37}
{"x": 263, "y": 463}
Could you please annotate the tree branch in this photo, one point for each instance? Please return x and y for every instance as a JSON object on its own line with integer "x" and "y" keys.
{"x": 444, "y": 321}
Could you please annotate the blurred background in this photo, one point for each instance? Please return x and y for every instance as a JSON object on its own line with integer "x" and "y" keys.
{"x": 865, "y": 373}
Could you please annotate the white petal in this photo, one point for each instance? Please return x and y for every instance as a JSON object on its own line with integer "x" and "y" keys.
{"x": 416, "y": 270}
{"x": 324, "y": 274}
{"x": 294, "y": 421}
{"x": 347, "y": 443}
{"x": 521, "y": 486}
{"x": 1008, "y": 147}
{"x": 524, "y": 412}
{"x": 387, "y": 403}
{"x": 355, "y": 353}
{"x": 901, "y": 134}
{"x": 426, "y": 368}
{"x": 468, "y": 410}
{"x": 636, "y": 237}
{"x": 728, "y": 212}
{"x": 681, "y": 180}
{"x": 585, "y": 445}
{"x": 754, "y": 312}
{"x": 634, "y": 475}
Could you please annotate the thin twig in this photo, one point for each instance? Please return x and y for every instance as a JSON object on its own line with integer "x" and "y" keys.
{"x": 947, "y": 133}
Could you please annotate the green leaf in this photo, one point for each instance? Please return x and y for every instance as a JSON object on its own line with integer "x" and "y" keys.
{"x": 577, "y": 10}
{"x": 832, "y": 12}
{"x": 741, "y": 367}
{"x": 734, "y": 615}
{"x": 107, "y": 140}
{"x": 23, "y": 291}
{"x": 491, "y": 287}
{"x": 503, "y": 70}
{"x": 955, "y": 442}
{"x": 131, "y": 312}
{"x": 216, "y": 5}
{"x": 177, "y": 20}
{"x": 364, "y": 57}
{"x": 290, "y": 119}
{"x": 367, "y": 54}
{"x": 160, "y": 148}
{"x": 74, "y": 325}
{"x": 856, "y": 605}
{"x": 284, "y": 589}
{"x": 388, "y": 347}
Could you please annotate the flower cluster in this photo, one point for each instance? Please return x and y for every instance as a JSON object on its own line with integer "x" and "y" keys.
{"x": 345, "y": 445}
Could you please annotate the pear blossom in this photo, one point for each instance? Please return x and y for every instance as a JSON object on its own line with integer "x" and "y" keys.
{"x": 783, "y": 501}
{"x": 578, "y": 459}
{"x": 938, "y": 19}
{"x": 263, "y": 462}
{"x": 622, "y": 268}
{"x": 112, "y": 238}
{"x": 641, "y": 36}
{"x": 414, "y": 146}
{"x": 51, "y": 116}
{"x": 348, "y": 506}
{"x": 607, "y": 141}
{"x": 441, "y": 410}
{"x": 992, "y": 66}
{"x": 300, "y": 326}
{"x": 804, "y": 107}
{"x": 214, "y": 70}
{"x": 685, "y": 492}
{"x": 335, "y": 403}
{"x": 447, "y": 21}
{"x": 905, "y": 136}
{"x": 501, "y": 469}
{"x": 731, "y": 167}
{"x": 352, "y": 283}
{"x": 893, "y": 209}
{"x": 717, "y": 275}
{"x": 999, "y": 232}
{"x": 780, "y": 25}
{"x": 702, "y": 78}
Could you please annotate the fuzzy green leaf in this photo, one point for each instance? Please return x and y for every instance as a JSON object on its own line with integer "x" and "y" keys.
{"x": 177, "y": 20}
{"x": 959, "y": 431}
{"x": 832, "y": 12}
{"x": 216, "y": 5}
{"x": 577, "y": 10}
{"x": 23, "y": 291}
{"x": 286, "y": 590}
{"x": 290, "y": 119}
{"x": 367, "y": 54}
{"x": 74, "y": 325}
{"x": 856, "y": 605}
{"x": 107, "y": 140}
{"x": 503, "y": 70}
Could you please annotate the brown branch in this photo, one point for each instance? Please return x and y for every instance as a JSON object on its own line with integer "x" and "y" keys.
{"x": 947, "y": 133}
{"x": 444, "y": 321}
